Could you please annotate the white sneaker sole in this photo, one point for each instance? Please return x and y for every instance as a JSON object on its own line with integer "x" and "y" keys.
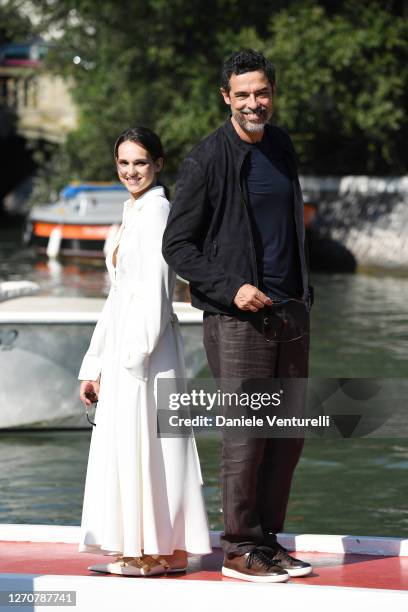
{"x": 301, "y": 571}
{"x": 250, "y": 578}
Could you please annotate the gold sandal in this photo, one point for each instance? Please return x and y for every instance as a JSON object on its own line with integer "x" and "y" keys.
{"x": 162, "y": 561}
{"x": 168, "y": 568}
{"x": 130, "y": 566}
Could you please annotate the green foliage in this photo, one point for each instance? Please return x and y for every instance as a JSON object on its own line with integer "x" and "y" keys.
{"x": 51, "y": 162}
{"x": 13, "y": 26}
{"x": 342, "y": 86}
{"x": 342, "y": 76}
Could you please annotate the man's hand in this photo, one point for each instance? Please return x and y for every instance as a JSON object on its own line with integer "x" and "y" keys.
{"x": 251, "y": 298}
{"x": 89, "y": 391}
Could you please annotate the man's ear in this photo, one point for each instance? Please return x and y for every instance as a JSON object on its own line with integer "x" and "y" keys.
{"x": 225, "y": 95}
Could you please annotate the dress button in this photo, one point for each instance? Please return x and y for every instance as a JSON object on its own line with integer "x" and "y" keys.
{"x": 266, "y": 320}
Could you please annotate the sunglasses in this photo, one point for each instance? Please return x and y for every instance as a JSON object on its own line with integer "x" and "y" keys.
{"x": 273, "y": 322}
{"x": 88, "y": 417}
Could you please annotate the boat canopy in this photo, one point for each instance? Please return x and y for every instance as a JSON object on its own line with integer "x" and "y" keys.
{"x": 70, "y": 191}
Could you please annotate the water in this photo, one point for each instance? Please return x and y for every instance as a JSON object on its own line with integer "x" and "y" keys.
{"x": 357, "y": 486}
{"x": 359, "y": 326}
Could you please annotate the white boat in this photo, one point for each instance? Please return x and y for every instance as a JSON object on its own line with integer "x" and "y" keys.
{"x": 82, "y": 222}
{"x": 13, "y": 289}
{"x": 85, "y": 220}
{"x": 42, "y": 343}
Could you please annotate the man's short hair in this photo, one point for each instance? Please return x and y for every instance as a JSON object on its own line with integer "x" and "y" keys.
{"x": 246, "y": 60}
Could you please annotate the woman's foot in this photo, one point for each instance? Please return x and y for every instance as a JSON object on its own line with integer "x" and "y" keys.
{"x": 131, "y": 566}
{"x": 177, "y": 562}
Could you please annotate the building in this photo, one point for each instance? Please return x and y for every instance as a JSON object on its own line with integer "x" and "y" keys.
{"x": 41, "y": 101}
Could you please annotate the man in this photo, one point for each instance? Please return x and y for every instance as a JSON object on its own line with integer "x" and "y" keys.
{"x": 236, "y": 233}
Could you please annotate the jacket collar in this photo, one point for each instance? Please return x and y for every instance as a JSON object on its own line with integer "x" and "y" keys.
{"x": 233, "y": 136}
{"x": 137, "y": 204}
{"x": 270, "y": 129}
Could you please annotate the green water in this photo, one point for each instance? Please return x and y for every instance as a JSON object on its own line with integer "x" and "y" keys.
{"x": 359, "y": 326}
{"x": 342, "y": 486}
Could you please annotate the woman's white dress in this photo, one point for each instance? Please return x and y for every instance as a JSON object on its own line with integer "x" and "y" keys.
{"x": 141, "y": 492}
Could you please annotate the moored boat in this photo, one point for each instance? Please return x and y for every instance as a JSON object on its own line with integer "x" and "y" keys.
{"x": 42, "y": 343}
{"x": 86, "y": 218}
{"x": 82, "y": 222}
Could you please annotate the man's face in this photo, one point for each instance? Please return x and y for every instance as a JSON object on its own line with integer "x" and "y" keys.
{"x": 251, "y": 99}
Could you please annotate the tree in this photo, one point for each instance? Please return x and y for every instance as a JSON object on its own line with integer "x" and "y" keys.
{"x": 150, "y": 62}
{"x": 343, "y": 83}
{"x": 341, "y": 66}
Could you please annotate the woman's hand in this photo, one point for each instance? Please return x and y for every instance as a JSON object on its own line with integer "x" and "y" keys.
{"x": 89, "y": 391}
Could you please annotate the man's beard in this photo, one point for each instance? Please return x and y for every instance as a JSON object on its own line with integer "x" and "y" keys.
{"x": 251, "y": 126}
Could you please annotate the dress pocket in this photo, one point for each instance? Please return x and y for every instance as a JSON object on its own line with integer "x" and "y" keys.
{"x": 135, "y": 354}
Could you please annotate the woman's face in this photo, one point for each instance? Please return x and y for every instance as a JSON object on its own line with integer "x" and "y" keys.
{"x": 136, "y": 169}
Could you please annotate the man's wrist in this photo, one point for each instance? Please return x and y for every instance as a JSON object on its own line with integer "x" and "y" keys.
{"x": 236, "y": 290}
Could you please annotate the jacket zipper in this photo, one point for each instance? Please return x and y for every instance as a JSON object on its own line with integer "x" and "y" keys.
{"x": 251, "y": 241}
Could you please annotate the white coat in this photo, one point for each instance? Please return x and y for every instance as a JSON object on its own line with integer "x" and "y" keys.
{"x": 141, "y": 492}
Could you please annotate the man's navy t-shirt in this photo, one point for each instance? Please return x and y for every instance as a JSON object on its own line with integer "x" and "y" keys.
{"x": 272, "y": 214}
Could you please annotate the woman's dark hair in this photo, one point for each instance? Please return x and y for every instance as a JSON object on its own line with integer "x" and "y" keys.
{"x": 246, "y": 60}
{"x": 143, "y": 136}
{"x": 148, "y": 140}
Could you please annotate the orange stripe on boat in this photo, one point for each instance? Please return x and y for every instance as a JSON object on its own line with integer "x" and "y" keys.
{"x": 81, "y": 232}
{"x": 309, "y": 212}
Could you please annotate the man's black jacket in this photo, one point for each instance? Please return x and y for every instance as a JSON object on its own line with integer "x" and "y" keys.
{"x": 208, "y": 239}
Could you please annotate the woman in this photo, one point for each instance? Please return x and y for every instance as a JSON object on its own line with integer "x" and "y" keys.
{"x": 143, "y": 494}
